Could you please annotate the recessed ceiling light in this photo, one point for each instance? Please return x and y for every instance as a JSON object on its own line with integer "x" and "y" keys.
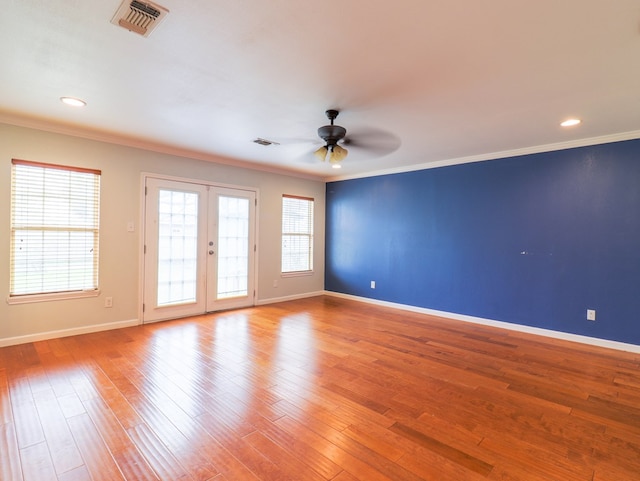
{"x": 336, "y": 166}
{"x": 570, "y": 122}
{"x": 73, "y": 101}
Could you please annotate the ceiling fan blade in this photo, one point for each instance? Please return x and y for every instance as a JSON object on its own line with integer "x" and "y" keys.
{"x": 376, "y": 142}
{"x": 295, "y": 140}
{"x": 299, "y": 149}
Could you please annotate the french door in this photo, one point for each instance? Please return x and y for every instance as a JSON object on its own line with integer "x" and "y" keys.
{"x": 199, "y": 249}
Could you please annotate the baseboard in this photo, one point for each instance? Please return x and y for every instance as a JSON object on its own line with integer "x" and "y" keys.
{"x": 43, "y": 336}
{"x": 592, "y": 341}
{"x": 273, "y": 300}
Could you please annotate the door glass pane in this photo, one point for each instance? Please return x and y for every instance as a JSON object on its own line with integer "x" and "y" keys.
{"x": 233, "y": 246}
{"x": 177, "y": 247}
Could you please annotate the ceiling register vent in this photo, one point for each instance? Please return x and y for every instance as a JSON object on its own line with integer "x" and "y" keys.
{"x": 139, "y": 17}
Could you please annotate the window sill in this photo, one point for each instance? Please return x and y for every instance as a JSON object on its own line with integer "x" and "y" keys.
{"x": 296, "y": 274}
{"x": 56, "y": 296}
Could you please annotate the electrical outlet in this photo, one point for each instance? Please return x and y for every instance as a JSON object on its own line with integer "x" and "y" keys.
{"x": 591, "y": 315}
{"x": 108, "y": 302}
{"x": 275, "y": 283}
{"x": 373, "y": 284}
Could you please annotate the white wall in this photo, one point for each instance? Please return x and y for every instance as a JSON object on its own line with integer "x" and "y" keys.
{"x": 120, "y": 250}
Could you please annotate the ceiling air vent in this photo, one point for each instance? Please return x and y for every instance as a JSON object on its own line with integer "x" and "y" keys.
{"x": 265, "y": 142}
{"x": 139, "y": 17}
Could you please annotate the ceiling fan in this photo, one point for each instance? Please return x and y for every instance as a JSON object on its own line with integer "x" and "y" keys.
{"x": 374, "y": 142}
{"x": 364, "y": 143}
{"x": 332, "y": 134}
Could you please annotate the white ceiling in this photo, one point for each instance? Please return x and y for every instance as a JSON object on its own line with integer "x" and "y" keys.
{"x": 443, "y": 81}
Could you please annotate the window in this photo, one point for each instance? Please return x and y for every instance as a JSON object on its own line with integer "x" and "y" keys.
{"x": 297, "y": 234}
{"x": 54, "y": 229}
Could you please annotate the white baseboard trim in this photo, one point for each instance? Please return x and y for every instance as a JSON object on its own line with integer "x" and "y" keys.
{"x": 273, "y": 300}
{"x": 43, "y": 336}
{"x": 593, "y": 341}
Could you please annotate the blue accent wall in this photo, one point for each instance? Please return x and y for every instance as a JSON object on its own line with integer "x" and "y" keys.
{"x": 533, "y": 240}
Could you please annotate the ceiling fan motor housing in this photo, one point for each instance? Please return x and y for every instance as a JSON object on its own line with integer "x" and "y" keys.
{"x": 331, "y": 134}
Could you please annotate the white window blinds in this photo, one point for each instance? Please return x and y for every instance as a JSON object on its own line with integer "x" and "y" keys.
{"x": 297, "y": 234}
{"x": 54, "y": 228}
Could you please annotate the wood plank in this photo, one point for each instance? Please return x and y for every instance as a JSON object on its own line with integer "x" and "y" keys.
{"x": 443, "y": 449}
{"x": 161, "y": 460}
{"x": 78, "y": 474}
{"x": 289, "y": 465}
{"x": 128, "y": 458}
{"x": 10, "y": 462}
{"x": 6, "y": 414}
{"x": 539, "y": 459}
{"x": 36, "y": 463}
{"x": 313, "y": 459}
{"x": 312, "y": 434}
{"x": 225, "y": 461}
{"x": 97, "y": 457}
{"x": 62, "y": 446}
{"x": 27, "y": 423}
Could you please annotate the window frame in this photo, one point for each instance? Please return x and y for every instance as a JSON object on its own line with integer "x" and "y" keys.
{"x": 92, "y": 199}
{"x": 309, "y": 234}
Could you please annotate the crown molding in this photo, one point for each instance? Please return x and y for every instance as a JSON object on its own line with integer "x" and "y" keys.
{"x": 538, "y": 149}
{"x": 120, "y": 140}
{"x": 116, "y": 139}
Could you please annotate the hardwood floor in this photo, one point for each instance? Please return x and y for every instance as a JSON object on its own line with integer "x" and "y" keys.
{"x": 317, "y": 389}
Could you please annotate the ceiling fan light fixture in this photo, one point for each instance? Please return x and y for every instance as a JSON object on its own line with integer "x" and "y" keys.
{"x": 321, "y": 153}
{"x": 332, "y": 134}
{"x": 337, "y": 154}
